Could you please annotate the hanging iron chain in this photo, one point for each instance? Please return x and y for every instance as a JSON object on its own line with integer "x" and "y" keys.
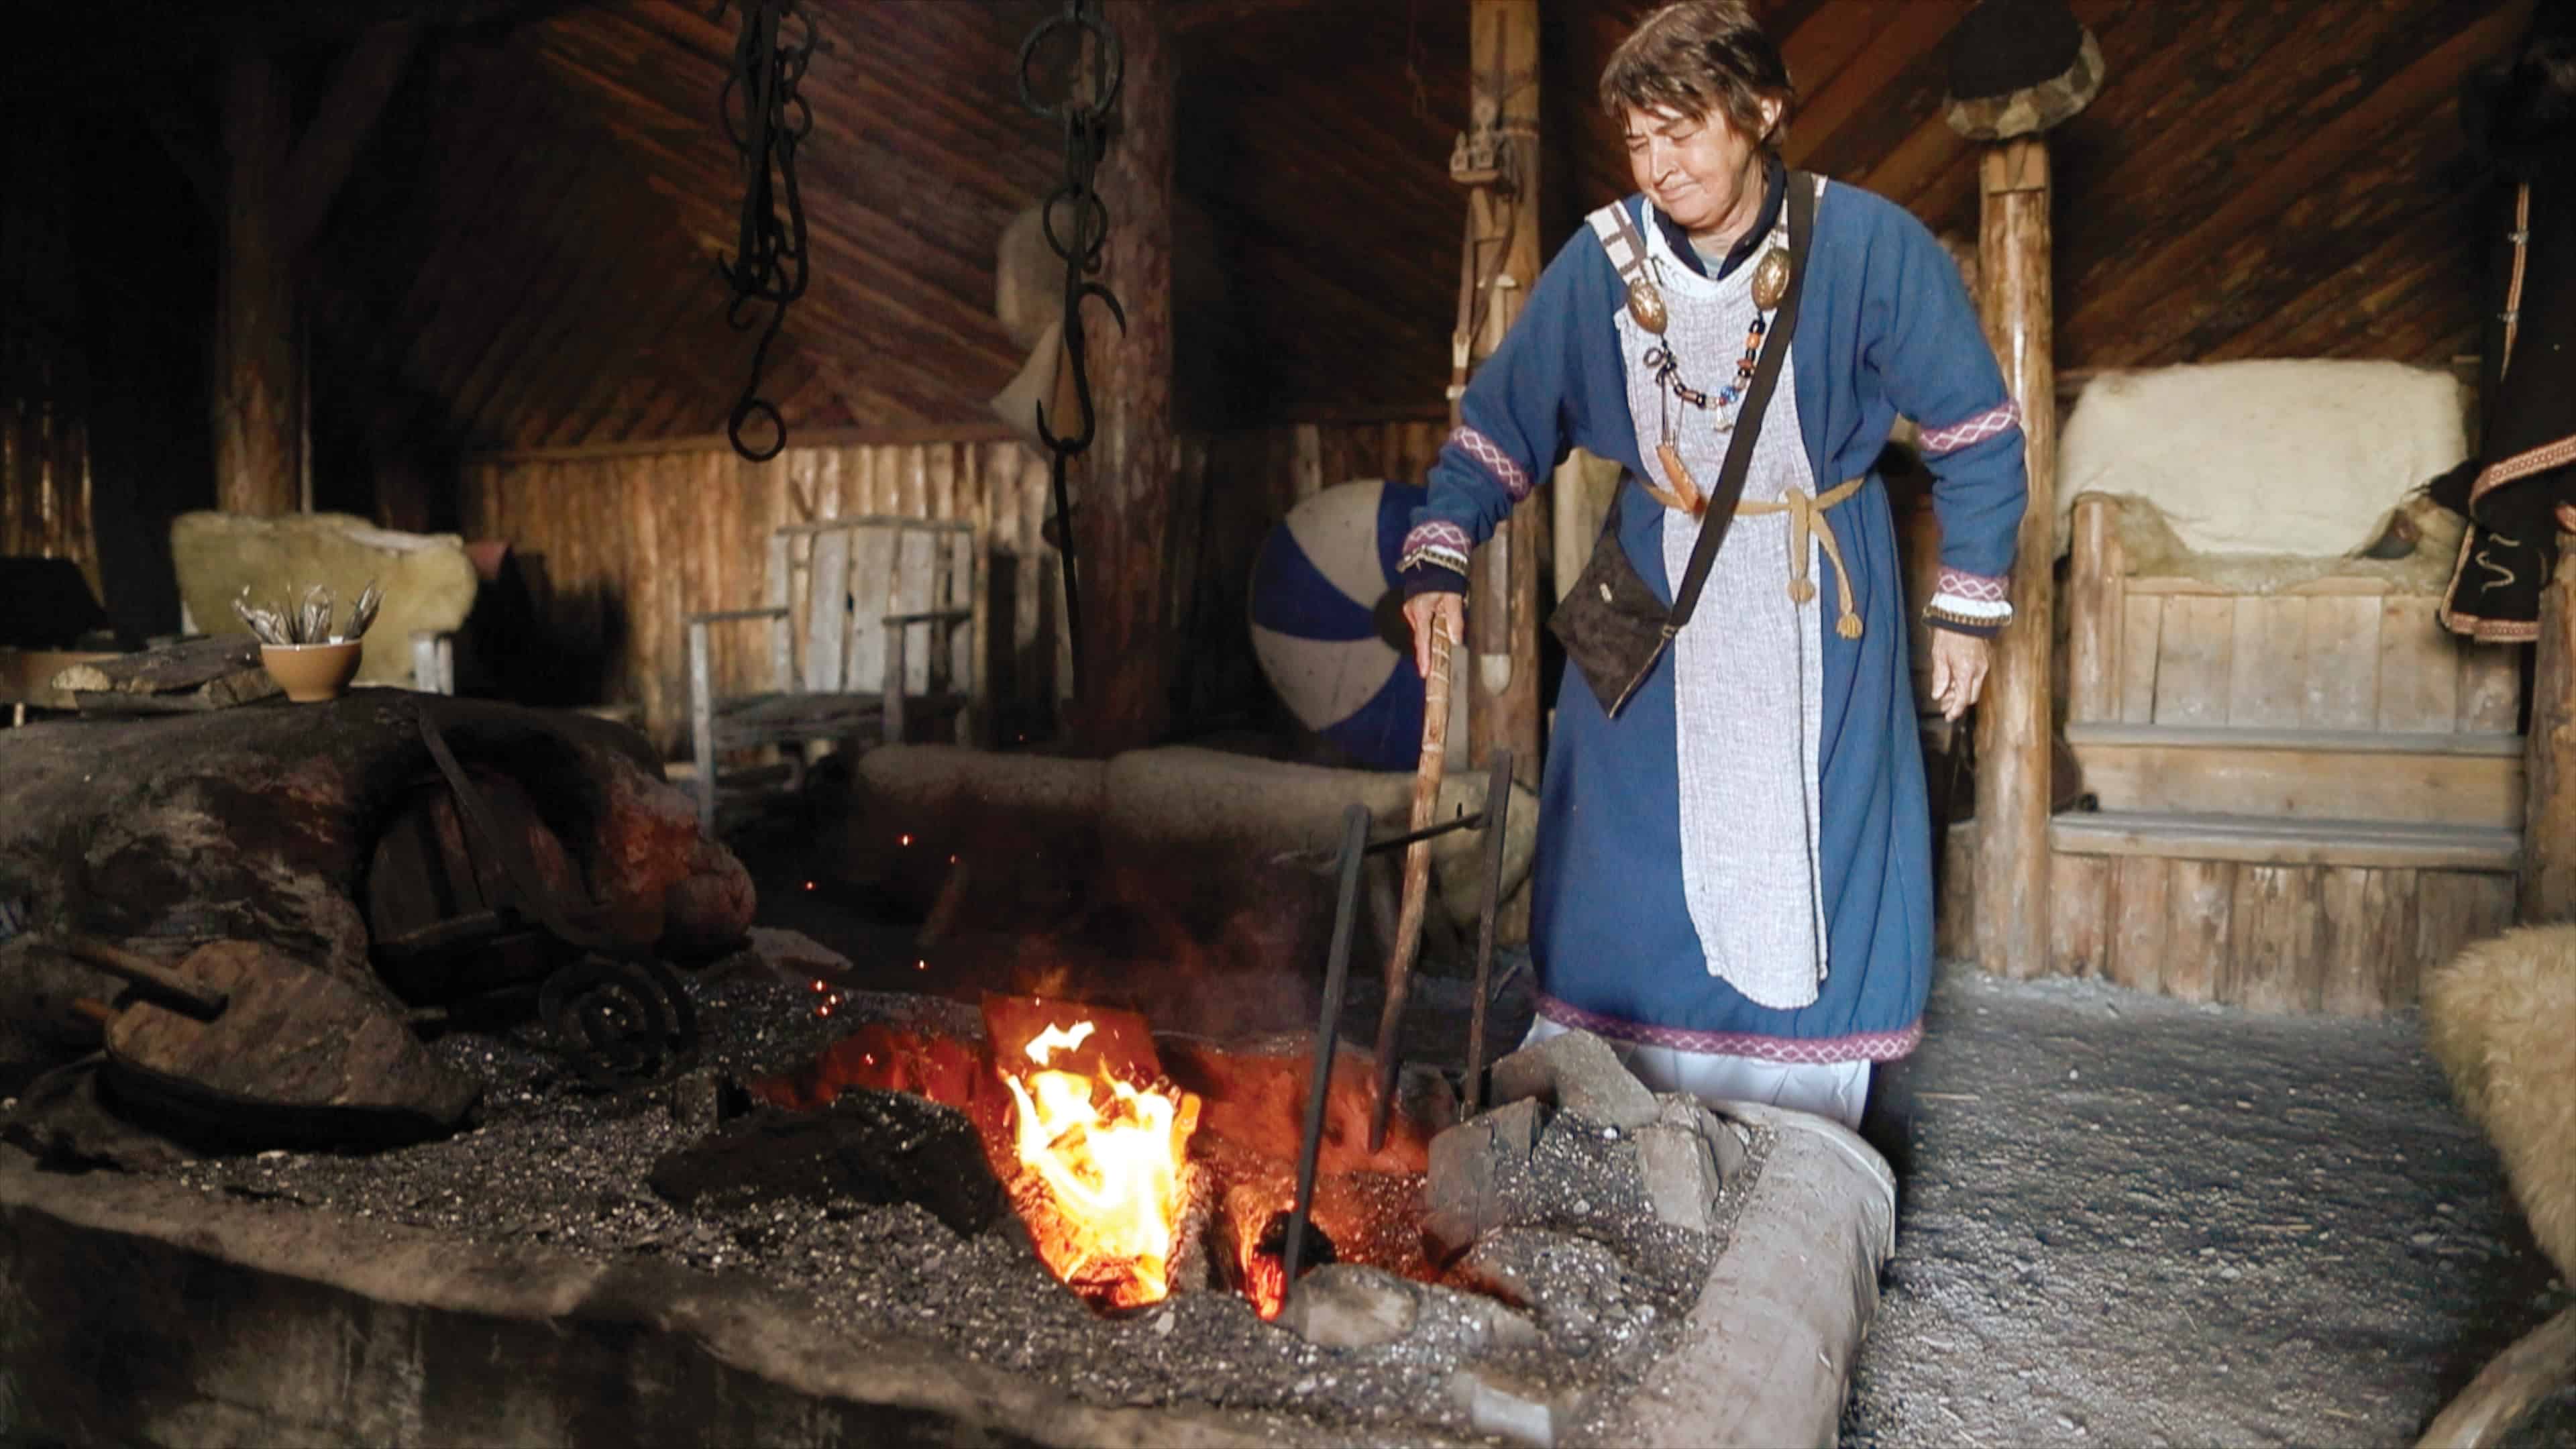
{"x": 769, "y": 267}
{"x": 1081, "y": 241}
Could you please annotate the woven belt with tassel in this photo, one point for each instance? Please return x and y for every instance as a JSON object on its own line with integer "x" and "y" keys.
{"x": 1807, "y": 515}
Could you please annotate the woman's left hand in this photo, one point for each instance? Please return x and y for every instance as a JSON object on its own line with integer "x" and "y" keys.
{"x": 1959, "y": 665}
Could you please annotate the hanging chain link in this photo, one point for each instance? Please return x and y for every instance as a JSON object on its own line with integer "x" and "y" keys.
{"x": 766, "y": 120}
{"x": 1081, "y": 241}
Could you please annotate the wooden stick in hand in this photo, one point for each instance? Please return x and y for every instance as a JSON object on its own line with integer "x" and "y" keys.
{"x": 1417, "y": 872}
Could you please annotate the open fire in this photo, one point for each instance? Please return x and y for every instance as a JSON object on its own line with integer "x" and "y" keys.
{"x": 1104, "y": 1144}
{"x": 1107, "y": 1161}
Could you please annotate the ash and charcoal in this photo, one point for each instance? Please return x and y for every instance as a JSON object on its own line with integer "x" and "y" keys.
{"x": 1572, "y": 1301}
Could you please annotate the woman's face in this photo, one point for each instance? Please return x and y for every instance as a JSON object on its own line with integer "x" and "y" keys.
{"x": 1699, "y": 169}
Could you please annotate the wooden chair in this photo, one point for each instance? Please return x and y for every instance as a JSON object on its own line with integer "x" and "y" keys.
{"x": 864, "y": 619}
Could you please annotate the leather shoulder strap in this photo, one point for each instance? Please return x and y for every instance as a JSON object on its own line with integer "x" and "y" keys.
{"x": 1720, "y": 515}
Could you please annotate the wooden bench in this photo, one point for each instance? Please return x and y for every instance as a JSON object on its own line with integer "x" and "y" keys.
{"x": 875, "y": 627}
{"x": 2307, "y": 797}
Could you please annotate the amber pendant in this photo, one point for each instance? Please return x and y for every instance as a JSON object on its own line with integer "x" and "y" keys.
{"x": 1771, "y": 279}
{"x": 1646, "y": 305}
{"x": 1685, "y": 495}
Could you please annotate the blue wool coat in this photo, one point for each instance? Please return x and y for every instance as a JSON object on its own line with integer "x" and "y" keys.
{"x": 1885, "y": 328}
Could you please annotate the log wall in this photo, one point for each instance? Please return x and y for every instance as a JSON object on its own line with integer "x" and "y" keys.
{"x": 44, "y": 456}
{"x": 44, "y": 439}
{"x": 632, "y": 538}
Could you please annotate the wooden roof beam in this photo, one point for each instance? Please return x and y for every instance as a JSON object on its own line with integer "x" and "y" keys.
{"x": 1918, "y": 28}
{"x": 360, "y": 85}
{"x": 2407, "y": 94}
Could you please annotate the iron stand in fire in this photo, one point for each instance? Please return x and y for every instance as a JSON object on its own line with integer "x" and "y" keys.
{"x": 1355, "y": 846}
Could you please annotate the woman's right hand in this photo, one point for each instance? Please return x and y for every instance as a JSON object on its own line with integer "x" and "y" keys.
{"x": 1425, "y": 611}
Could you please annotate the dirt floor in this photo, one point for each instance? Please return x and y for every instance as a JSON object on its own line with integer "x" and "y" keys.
{"x": 2128, "y": 1220}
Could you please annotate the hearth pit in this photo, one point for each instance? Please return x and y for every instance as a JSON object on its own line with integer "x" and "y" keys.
{"x": 1548, "y": 1312}
{"x": 1235, "y": 1115}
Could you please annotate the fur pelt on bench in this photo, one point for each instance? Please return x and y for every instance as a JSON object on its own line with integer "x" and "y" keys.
{"x": 2268, "y": 470}
{"x": 2421, "y": 540}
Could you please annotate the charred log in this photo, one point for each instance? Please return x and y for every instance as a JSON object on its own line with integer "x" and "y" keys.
{"x": 866, "y": 1147}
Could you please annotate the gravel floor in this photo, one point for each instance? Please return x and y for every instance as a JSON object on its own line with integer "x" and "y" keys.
{"x": 2128, "y": 1220}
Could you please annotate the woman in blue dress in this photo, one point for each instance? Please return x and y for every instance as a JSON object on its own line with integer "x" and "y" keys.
{"x": 1734, "y": 875}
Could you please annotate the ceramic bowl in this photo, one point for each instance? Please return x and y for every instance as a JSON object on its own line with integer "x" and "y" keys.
{"x": 310, "y": 673}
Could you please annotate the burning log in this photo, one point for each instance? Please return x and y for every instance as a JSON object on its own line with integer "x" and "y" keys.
{"x": 1104, "y": 1161}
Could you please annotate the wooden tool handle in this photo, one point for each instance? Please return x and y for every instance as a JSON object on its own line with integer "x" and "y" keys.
{"x": 156, "y": 980}
{"x": 1427, "y": 771}
{"x": 1417, "y": 872}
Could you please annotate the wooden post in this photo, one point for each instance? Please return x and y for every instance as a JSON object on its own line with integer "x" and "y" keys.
{"x": 1503, "y": 703}
{"x": 1123, "y": 515}
{"x": 258, "y": 372}
{"x": 2013, "y": 721}
{"x": 276, "y": 192}
{"x": 2548, "y": 876}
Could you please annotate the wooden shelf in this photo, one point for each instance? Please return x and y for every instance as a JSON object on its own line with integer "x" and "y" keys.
{"x": 2372, "y": 742}
{"x": 2268, "y": 841}
{"x": 2293, "y": 774}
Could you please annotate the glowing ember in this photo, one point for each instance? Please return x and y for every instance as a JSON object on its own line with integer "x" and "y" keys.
{"x": 1265, "y": 1278}
{"x": 1105, "y": 1157}
{"x": 1259, "y": 1232}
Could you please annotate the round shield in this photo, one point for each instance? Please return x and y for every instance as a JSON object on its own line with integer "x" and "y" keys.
{"x": 1328, "y": 622}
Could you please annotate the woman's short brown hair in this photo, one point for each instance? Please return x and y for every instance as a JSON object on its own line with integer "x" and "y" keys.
{"x": 1698, "y": 57}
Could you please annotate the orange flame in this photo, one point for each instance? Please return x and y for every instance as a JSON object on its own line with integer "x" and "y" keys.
{"x": 1106, "y": 1158}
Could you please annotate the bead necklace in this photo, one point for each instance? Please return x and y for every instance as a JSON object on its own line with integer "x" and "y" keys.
{"x": 1733, "y": 393}
{"x": 1770, "y": 283}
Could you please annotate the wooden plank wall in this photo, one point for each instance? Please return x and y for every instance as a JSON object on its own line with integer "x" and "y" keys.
{"x": 2346, "y": 940}
{"x": 44, "y": 459}
{"x": 44, "y": 441}
{"x": 2341, "y": 940}
{"x": 2338, "y": 654}
{"x": 635, "y": 537}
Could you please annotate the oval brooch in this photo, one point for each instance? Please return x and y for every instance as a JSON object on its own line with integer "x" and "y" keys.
{"x": 1646, "y": 305}
{"x": 1771, "y": 279}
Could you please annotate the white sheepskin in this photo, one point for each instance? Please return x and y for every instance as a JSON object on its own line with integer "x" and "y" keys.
{"x": 428, "y": 581}
{"x": 2300, "y": 456}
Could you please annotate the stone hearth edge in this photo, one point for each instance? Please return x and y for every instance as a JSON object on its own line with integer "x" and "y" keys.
{"x": 137, "y": 1309}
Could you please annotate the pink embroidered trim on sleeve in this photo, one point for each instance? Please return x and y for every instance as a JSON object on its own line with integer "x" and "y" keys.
{"x": 1977, "y": 588}
{"x": 1514, "y": 478}
{"x": 1993, "y": 422}
{"x": 1436, "y": 542}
